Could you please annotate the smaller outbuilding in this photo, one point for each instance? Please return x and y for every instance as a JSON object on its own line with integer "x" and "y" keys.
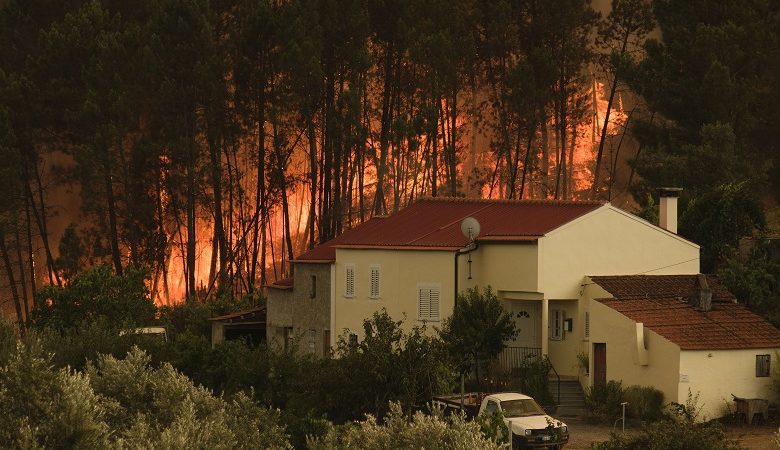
{"x": 248, "y": 325}
{"x": 680, "y": 334}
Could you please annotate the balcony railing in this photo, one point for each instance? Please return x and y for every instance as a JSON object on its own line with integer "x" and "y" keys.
{"x": 516, "y": 357}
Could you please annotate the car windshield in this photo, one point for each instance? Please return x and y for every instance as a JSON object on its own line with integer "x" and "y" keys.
{"x": 521, "y": 408}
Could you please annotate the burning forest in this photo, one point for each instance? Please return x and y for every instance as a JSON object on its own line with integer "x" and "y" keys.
{"x": 212, "y": 142}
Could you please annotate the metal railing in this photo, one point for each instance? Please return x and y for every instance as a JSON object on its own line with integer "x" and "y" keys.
{"x": 558, "y": 378}
{"x": 516, "y": 357}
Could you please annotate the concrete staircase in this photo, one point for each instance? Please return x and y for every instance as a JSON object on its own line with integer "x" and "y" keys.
{"x": 572, "y": 397}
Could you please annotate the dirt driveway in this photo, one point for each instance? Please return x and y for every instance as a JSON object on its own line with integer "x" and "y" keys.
{"x": 582, "y": 435}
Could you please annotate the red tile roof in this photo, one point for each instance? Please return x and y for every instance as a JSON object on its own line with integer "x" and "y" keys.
{"x": 660, "y": 303}
{"x": 660, "y": 286}
{"x": 435, "y": 223}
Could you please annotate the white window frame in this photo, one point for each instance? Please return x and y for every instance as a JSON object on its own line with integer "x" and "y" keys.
{"x": 424, "y": 298}
{"x": 374, "y": 282}
{"x": 556, "y": 318}
{"x": 349, "y": 280}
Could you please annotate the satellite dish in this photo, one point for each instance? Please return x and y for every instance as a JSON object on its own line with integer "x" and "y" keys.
{"x": 470, "y": 228}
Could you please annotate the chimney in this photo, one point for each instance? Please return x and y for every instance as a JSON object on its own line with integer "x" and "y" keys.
{"x": 701, "y": 298}
{"x": 667, "y": 213}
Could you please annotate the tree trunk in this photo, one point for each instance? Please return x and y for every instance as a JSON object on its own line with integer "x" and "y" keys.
{"x": 20, "y": 262}
{"x": 113, "y": 233}
{"x": 30, "y": 252}
{"x": 219, "y": 228}
{"x": 384, "y": 133}
{"x": 11, "y": 280}
{"x": 603, "y": 138}
{"x": 191, "y": 242}
{"x": 312, "y": 180}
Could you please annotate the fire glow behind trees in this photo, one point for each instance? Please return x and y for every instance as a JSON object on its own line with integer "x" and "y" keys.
{"x": 214, "y": 141}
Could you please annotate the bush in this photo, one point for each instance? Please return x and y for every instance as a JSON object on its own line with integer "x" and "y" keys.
{"x": 96, "y": 294}
{"x": 644, "y": 403}
{"x": 162, "y": 408}
{"x": 535, "y": 380}
{"x": 603, "y": 401}
{"x": 389, "y": 364}
{"x": 423, "y": 432}
{"x": 73, "y": 347}
{"x": 48, "y": 408}
{"x": 122, "y": 403}
{"x": 676, "y": 432}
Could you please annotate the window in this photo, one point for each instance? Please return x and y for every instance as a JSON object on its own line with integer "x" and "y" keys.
{"x": 374, "y": 281}
{"x": 762, "y": 365}
{"x": 428, "y": 302}
{"x": 313, "y": 287}
{"x": 349, "y": 280}
{"x": 556, "y": 324}
{"x": 587, "y": 325}
{"x": 491, "y": 407}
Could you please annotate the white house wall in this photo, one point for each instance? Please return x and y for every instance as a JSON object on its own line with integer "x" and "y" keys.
{"x": 609, "y": 241}
{"x": 400, "y": 273}
{"x": 716, "y": 374}
{"x": 619, "y": 333}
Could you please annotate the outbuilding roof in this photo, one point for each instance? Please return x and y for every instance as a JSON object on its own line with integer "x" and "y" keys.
{"x": 434, "y": 223}
{"x": 660, "y": 302}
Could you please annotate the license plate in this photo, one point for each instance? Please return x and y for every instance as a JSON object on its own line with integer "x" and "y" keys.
{"x": 546, "y": 438}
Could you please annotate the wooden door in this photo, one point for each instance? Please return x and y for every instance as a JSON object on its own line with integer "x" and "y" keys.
{"x": 599, "y": 364}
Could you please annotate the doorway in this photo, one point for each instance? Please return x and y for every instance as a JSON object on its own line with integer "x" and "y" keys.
{"x": 599, "y": 364}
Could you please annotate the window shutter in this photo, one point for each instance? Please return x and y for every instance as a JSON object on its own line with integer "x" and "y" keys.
{"x": 349, "y": 282}
{"x": 428, "y": 303}
{"x": 374, "y": 282}
{"x": 556, "y": 324}
{"x": 434, "y": 304}
{"x": 423, "y": 303}
{"x": 587, "y": 325}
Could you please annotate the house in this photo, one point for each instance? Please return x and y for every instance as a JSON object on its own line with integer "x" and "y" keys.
{"x": 540, "y": 257}
{"x": 248, "y": 325}
{"x": 680, "y": 334}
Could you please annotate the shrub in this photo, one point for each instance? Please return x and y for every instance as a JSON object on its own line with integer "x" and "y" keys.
{"x": 535, "y": 380}
{"x": 677, "y": 432}
{"x": 48, "y": 408}
{"x": 94, "y": 295}
{"x": 162, "y": 408}
{"x": 422, "y": 432}
{"x": 73, "y": 347}
{"x": 603, "y": 401}
{"x": 644, "y": 403}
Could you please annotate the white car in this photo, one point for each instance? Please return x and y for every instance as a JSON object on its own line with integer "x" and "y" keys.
{"x": 529, "y": 425}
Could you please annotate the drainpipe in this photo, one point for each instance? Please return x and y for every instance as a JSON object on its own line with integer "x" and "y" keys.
{"x": 464, "y": 251}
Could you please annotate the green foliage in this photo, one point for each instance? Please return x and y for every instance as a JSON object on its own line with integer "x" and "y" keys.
{"x": 476, "y": 331}
{"x": 716, "y": 220}
{"x": 644, "y": 403}
{"x": 97, "y": 294}
{"x": 422, "y": 432}
{"x": 678, "y": 431}
{"x": 192, "y": 317}
{"x": 493, "y": 426}
{"x": 162, "y": 407}
{"x": 389, "y": 364}
{"x": 48, "y": 408}
{"x": 73, "y": 347}
{"x": 603, "y": 401}
{"x": 753, "y": 279}
{"x": 70, "y": 261}
{"x": 535, "y": 380}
